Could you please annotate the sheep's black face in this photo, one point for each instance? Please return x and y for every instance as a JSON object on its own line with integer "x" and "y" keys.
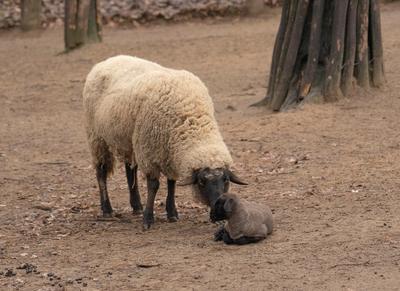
{"x": 211, "y": 184}
{"x": 218, "y": 212}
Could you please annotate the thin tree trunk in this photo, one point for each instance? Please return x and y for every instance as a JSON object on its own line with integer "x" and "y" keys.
{"x": 313, "y": 48}
{"x": 362, "y": 58}
{"x": 81, "y": 23}
{"x": 276, "y": 53}
{"x": 289, "y": 61}
{"x": 70, "y": 25}
{"x": 30, "y": 14}
{"x": 334, "y": 66}
{"x": 376, "y": 44}
{"x": 350, "y": 51}
{"x": 94, "y": 28}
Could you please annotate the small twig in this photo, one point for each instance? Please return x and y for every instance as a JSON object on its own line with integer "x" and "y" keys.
{"x": 146, "y": 266}
{"x": 13, "y": 179}
{"x": 350, "y": 264}
{"x": 53, "y": 163}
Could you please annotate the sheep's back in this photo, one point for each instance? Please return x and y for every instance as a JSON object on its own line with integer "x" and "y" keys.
{"x": 176, "y": 114}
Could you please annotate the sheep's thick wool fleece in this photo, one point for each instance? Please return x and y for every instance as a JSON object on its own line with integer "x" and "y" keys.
{"x": 157, "y": 118}
{"x": 250, "y": 219}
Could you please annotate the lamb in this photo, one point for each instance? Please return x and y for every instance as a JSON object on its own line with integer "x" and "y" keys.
{"x": 247, "y": 222}
{"x": 158, "y": 120}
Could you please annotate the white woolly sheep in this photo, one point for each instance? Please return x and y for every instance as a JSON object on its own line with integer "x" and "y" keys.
{"x": 159, "y": 120}
{"x": 247, "y": 222}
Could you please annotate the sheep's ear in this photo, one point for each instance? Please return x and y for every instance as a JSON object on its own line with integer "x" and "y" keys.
{"x": 235, "y": 179}
{"x": 189, "y": 181}
{"x": 228, "y": 205}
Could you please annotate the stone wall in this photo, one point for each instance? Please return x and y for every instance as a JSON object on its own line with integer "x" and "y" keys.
{"x": 126, "y": 11}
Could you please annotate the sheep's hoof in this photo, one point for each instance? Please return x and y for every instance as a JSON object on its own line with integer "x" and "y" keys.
{"x": 137, "y": 211}
{"x": 107, "y": 215}
{"x": 148, "y": 219}
{"x": 172, "y": 215}
{"x": 146, "y": 226}
{"x": 172, "y": 219}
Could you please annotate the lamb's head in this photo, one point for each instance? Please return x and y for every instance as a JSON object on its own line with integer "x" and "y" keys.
{"x": 210, "y": 184}
{"x": 225, "y": 205}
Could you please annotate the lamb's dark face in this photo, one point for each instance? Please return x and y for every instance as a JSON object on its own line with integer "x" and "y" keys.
{"x": 218, "y": 212}
{"x": 212, "y": 183}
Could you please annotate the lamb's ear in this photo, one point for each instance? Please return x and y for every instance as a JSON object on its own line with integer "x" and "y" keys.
{"x": 235, "y": 179}
{"x": 228, "y": 205}
{"x": 189, "y": 181}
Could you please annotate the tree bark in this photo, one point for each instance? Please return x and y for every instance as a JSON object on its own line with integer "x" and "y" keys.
{"x": 292, "y": 41}
{"x": 30, "y": 14}
{"x": 362, "y": 59}
{"x": 81, "y": 23}
{"x": 334, "y": 65}
{"x": 376, "y": 44}
{"x": 320, "y": 47}
{"x": 313, "y": 48}
{"x": 94, "y": 27}
{"x": 350, "y": 53}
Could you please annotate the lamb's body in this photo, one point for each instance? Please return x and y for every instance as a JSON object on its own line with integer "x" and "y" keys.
{"x": 250, "y": 219}
{"x": 157, "y": 118}
{"x": 247, "y": 222}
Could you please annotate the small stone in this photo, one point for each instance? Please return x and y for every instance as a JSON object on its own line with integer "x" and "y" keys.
{"x": 10, "y": 273}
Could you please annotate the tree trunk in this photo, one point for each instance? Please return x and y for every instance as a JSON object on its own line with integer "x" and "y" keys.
{"x": 81, "y": 23}
{"x": 94, "y": 28}
{"x": 30, "y": 14}
{"x": 321, "y": 47}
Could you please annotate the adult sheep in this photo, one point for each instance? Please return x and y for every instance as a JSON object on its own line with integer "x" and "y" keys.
{"x": 159, "y": 120}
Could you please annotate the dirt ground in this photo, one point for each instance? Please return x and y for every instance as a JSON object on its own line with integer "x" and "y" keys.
{"x": 329, "y": 172}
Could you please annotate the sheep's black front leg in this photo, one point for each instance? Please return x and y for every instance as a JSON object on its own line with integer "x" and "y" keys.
{"x": 101, "y": 175}
{"x": 148, "y": 215}
{"x": 172, "y": 213}
{"x": 134, "y": 196}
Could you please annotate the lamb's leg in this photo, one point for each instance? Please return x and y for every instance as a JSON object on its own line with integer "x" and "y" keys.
{"x": 172, "y": 213}
{"x": 219, "y": 234}
{"x": 101, "y": 174}
{"x": 227, "y": 238}
{"x": 134, "y": 196}
{"x": 240, "y": 241}
{"x": 148, "y": 215}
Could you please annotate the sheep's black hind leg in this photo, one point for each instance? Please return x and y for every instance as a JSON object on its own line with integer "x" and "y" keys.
{"x": 172, "y": 213}
{"x": 101, "y": 174}
{"x": 148, "y": 215}
{"x": 134, "y": 196}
